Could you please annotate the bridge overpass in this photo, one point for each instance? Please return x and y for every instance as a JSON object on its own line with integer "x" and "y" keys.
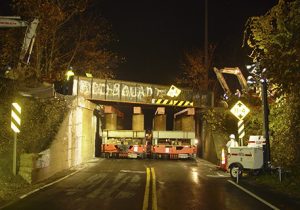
{"x": 94, "y": 89}
{"x": 80, "y": 133}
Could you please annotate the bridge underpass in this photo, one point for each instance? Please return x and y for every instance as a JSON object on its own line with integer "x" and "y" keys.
{"x": 126, "y": 96}
{"x": 81, "y": 133}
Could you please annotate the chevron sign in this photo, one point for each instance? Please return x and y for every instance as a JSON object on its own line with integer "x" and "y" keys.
{"x": 16, "y": 117}
{"x": 172, "y": 102}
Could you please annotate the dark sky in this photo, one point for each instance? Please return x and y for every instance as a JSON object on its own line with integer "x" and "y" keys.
{"x": 154, "y": 34}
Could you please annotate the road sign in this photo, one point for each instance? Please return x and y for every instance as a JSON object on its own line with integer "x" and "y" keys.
{"x": 240, "y": 110}
{"x": 16, "y": 117}
{"x": 173, "y": 91}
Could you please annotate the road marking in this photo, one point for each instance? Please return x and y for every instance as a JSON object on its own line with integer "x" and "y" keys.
{"x": 147, "y": 189}
{"x": 52, "y": 183}
{"x": 154, "y": 197}
{"x": 47, "y": 185}
{"x": 130, "y": 171}
{"x": 253, "y": 195}
{"x": 218, "y": 175}
{"x": 150, "y": 174}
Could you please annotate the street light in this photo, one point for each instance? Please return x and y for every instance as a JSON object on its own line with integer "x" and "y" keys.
{"x": 256, "y": 78}
{"x": 70, "y": 73}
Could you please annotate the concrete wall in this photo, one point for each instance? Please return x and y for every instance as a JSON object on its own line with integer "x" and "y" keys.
{"x": 138, "y": 122}
{"x": 185, "y": 123}
{"x": 73, "y": 144}
{"x": 212, "y": 144}
{"x": 160, "y": 122}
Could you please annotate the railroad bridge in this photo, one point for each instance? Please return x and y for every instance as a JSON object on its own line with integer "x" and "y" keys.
{"x": 93, "y": 124}
{"x": 139, "y": 93}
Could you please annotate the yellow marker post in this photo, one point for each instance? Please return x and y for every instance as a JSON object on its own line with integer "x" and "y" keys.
{"x": 15, "y": 125}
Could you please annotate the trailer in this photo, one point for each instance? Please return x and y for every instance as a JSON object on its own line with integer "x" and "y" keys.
{"x": 123, "y": 144}
{"x": 246, "y": 158}
{"x": 173, "y": 144}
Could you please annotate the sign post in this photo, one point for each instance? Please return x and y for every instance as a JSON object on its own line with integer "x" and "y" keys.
{"x": 15, "y": 125}
{"x": 241, "y": 131}
{"x": 240, "y": 111}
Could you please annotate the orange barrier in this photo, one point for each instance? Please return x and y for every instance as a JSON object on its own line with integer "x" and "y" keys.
{"x": 223, "y": 164}
{"x": 123, "y": 151}
{"x": 158, "y": 151}
{"x": 174, "y": 151}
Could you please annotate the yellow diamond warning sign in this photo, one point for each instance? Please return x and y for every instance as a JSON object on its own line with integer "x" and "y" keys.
{"x": 240, "y": 110}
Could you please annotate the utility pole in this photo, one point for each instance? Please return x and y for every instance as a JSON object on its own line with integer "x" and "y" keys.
{"x": 206, "y": 35}
{"x": 203, "y": 123}
{"x": 256, "y": 78}
{"x": 265, "y": 106}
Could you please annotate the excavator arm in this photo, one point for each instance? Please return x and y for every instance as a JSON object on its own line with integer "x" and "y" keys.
{"x": 234, "y": 71}
{"x": 29, "y": 40}
{"x": 15, "y": 22}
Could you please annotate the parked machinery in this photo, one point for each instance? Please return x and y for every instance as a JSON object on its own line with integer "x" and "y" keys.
{"x": 246, "y": 158}
{"x": 159, "y": 143}
{"x": 233, "y": 71}
{"x": 123, "y": 143}
{"x": 173, "y": 144}
{"x": 27, "y": 46}
{"x": 120, "y": 143}
{"x": 176, "y": 144}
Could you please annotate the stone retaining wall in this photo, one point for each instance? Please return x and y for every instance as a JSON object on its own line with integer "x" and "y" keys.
{"x": 73, "y": 144}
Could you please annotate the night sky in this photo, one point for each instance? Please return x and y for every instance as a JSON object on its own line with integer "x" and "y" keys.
{"x": 153, "y": 34}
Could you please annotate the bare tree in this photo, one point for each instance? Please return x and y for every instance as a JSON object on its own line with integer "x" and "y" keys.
{"x": 195, "y": 73}
{"x": 68, "y": 35}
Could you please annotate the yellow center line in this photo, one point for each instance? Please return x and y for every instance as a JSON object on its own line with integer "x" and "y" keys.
{"x": 154, "y": 197}
{"x": 147, "y": 189}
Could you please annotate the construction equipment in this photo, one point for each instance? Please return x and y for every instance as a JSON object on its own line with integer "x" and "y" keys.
{"x": 179, "y": 143}
{"x": 123, "y": 143}
{"x": 120, "y": 143}
{"x": 173, "y": 145}
{"x": 15, "y": 22}
{"x": 234, "y": 71}
{"x": 246, "y": 158}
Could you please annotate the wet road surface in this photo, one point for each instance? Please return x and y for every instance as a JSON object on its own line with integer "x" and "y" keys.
{"x": 121, "y": 184}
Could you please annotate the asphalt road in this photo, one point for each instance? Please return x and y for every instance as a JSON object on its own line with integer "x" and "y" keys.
{"x": 121, "y": 184}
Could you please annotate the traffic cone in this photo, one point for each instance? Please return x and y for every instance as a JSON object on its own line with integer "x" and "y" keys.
{"x": 223, "y": 160}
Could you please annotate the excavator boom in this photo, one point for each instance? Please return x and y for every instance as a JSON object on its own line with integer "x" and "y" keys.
{"x": 234, "y": 71}
{"x": 15, "y": 22}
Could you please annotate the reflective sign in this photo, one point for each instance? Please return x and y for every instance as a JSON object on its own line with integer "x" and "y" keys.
{"x": 239, "y": 110}
{"x": 173, "y": 91}
{"x": 16, "y": 117}
{"x": 172, "y": 102}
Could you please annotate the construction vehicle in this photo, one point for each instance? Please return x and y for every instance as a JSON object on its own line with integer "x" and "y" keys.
{"x": 246, "y": 158}
{"x": 174, "y": 145}
{"x": 119, "y": 143}
{"x": 233, "y": 71}
{"x": 123, "y": 143}
{"x": 27, "y": 46}
{"x": 158, "y": 143}
{"x": 179, "y": 143}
